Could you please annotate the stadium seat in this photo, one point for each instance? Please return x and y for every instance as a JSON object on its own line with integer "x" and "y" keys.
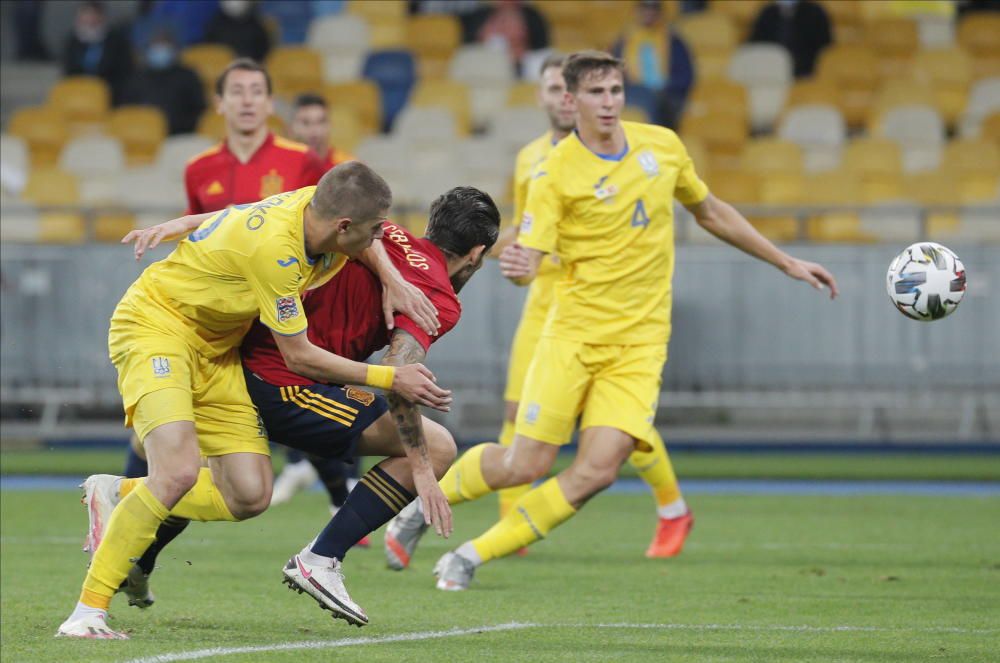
{"x": 486, "y": 154}
{"x": 111, "y": 225}
{"x": 21, "y": 223}
{"x": 948, "y": 73}
{"x": 718, "y": 96}
{"x": 935, "y": 188}
{"x": 343, "y": 40}
{"x": 426, "y": 127}
{"x": 445, "y": 94}
{"x": 699, "y": 156}
{"x": 891, "y": 222}
{"x": 978, "y": 225}
{"x": 835, "y": 188}
{"x": 976, "y": 165}
{"x": 346, "y": 130}
{"x": 742, "y": 13}
{"x": 895, "y": 41}
{"x": 896, "y": 93}
{"x": 525, "y": 93}
{"x": 293, "y": 19}
{"x": 735, "y": 186}
{"x": 854, "y": 70}
{"x": 771, "y": 156}
{"x": 813, "y": 91}
{"x": 386, "y": 21}
{"x": 786, "y": 189}
{"x": 141, "y": 130}
{"x": 878, "y": 164}
{"x": 14, "y": 154}
{"x": 819, "y": 130}
{"x": 208, "y": 61}
{"x": 386, "y": 154}
{"x": 561, "y": 13}
{"x": 83, "y": 100}
{"x": 294, "y": 70}
{"x": 605, "y": 22}
{"x": 394, "y": 72}
{"x": 990, "y": 127}
{"x": 918, "y": 130}
{"x": 149, "y": 195}
{"x": 52, "y": 187}
{"x": 984, "y": 100}
{"x": 723, "y": 137}
{"x": 362, "y": 96}
{"x": 488, "y": 73}
{"x": 635, "y": 114}
{"x": 44, "y": 130}
{"x": 91, "y": 155}
{"x": 766, "y": 72}
{"x": 433, "y": 39}
{"x": 176, "y": 151}
{"x": 977, "y": 35}
{"x": 848, "y": 25}
{"x": 712, "y": 37}
{"x": 518, "y": 126}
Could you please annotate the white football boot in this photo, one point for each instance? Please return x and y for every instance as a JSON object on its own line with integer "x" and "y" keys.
{"x": 454, "y": 572}
{"x": 91, "y": 626}
{"x": 325, "y": 583}
{"x": 293, "y": 478}
{"x": 403, "y": 534}
{"x": 100, "y": 496}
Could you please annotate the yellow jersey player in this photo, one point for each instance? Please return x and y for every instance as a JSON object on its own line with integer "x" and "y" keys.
{"x": 174, "y": 340}
{"x": 603, "y": 201}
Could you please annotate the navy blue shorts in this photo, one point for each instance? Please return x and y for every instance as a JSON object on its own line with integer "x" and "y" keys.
{"x": 319, "y": 419}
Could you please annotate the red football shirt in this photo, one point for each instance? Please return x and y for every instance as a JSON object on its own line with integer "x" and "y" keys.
{"x": 335, "y": 157}
{"x": 216, "y": 179}
{"x": 345, "y": 313}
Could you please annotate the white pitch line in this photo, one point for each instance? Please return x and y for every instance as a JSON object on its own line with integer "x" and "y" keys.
{"x": 514, "y": 626}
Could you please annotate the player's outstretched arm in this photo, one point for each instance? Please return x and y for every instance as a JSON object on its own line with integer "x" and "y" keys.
{"x": 149, "y": 238}
{"x": 520, "y": 264}
{"x": 414, "y": 382}
{"x": 398, "y": 294}
{"x": 403, "y": 350}
{"x": 725, "y": 222}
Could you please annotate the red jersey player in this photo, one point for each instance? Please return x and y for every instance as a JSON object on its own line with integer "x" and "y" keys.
{"x": 251, "y": 163}
{"x": 311, "y": 125}
{"x": 346, "y": 316}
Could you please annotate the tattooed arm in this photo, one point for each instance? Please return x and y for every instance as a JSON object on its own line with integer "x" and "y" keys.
{"x": 404, "y": 349}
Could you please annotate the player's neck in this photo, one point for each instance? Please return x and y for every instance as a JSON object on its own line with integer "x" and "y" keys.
{"x": 559, "y": 134}
{"x": 603, "y": 143}
{"x": 245, "y": 145}
{"x": 459, "y": 272}
{"x": 310, "y": 233}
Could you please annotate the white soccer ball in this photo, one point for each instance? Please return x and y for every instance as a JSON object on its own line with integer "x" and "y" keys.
{"x": 926, "y": 281}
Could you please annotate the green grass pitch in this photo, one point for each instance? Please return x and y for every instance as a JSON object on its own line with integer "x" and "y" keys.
{"x": 764, "y": 578}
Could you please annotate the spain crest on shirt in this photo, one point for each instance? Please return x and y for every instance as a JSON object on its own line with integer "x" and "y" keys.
{"x": 271, "y": 184}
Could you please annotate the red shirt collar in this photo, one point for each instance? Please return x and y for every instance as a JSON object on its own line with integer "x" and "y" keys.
{"x": 268, "y": 142}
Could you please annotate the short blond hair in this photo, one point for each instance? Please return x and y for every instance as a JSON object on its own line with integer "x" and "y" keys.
{"x": 581, "y": 64}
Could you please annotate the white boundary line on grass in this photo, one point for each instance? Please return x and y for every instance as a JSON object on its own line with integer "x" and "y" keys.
{"x": 514, "y": 626}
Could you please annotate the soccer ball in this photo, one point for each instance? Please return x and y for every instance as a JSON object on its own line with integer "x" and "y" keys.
{"x": 926, "y": 281}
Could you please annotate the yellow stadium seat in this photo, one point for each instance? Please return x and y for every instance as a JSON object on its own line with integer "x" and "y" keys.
{"x": 449, "y": 94}
{"x": 212, "y": 125}
{"x": 733, "y": 186}
{"x": 813, "y": 91}
{"x": 522, "y": 93}
{"x": 723, "y": 137}
{"x": 948, "y": 72}
{"x": 854, "y": 70}
{"x": 772, "y": 156}
{"x": 899, "y": 92}
{"x": 878, "y": 165}
{"x": 571, "y": 38}
{"x": 562, "y": 13}
{"x": 895, "y": 41}
{"x": 635, "y": 114}
{"x": 713, "y": 37}
{"x": 990, "y": 128}
{"x": 208, "y": 61}
{"x": 44, "y": 130}
{"x": 295, "y": 69}
{"x": 977, "y": 35}
{"x": 976, "y": 166}
{"x": 346, "y": 131}
{"x": 51, "y": 187}
{"x": 606, "y": 21}
{"x": 699, "y": 156}
{"x": 840, "y": 187}
{"x": 416, "y": 223}
{"x": 141, "y": 130}
{"x": 83, "y": 100}
{"x": 741, "y": 12}
{"x": 112, "y": 225}
{"x": 847, "y": 20}
{"x": 433, "y": 39}
{"x": 718, "y": 95}
{"x": 361, "y": 95}
{"x": 386, "y": 21}
{"x": 936, "y": 188}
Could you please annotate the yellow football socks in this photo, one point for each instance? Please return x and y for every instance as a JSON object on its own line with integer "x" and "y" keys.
{"x": 203, "y": 502}
{"x": 508, "y": 496}
{"x": 537, "y": 513}
{"x": 656, "y": 470}
{"x": 464, "y": 481}
{"x": 131, "y": 529}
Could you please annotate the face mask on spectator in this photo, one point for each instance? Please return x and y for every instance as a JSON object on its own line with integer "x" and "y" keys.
{"x": 160, "y": 56}
{"x": 235, "y": 8}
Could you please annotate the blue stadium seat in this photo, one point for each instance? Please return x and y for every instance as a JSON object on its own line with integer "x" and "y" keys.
{"x": 645, "y": 98}
{"x": 292, "y": 15}
{"x": 394, "y": 72}
{"x": 327, "y": 7}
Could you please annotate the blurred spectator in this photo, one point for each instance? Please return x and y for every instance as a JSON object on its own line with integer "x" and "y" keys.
{"x": 167, "y": 84}
{"x": 801, "y": 26}
{"x": 28, "y": 30}
{"x": 658, "y": 59}
{"x": 238, "y": 25}
{"x": 971, "y": 6}
{"x": 186, "y": 20}
{"x": 511, "y": 24}
{"x": 95, "y": 48}
{"x": 311, "y": 125}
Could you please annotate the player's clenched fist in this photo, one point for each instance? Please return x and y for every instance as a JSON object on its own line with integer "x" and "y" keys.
{"x": 515, "y": 262}
{"x": 416, "y": 383}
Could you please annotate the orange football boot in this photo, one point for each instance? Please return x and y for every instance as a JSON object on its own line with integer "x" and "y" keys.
{"x": 668, "y": 541}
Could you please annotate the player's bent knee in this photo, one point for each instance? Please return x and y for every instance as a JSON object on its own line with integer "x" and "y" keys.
{"x": 522, "y": 472}
{"x": 244, "y": 510}
{"x": 592, "y": 477}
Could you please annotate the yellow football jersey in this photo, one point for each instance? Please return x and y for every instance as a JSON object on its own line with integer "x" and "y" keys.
{"x": 244, "y": 262}
{"x": 528, "y": 159}
{"x": 610, "y": 220}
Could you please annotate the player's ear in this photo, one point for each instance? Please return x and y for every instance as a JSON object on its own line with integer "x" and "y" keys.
{"x": 476, "y": 254}
{"x": 343, "y": 224}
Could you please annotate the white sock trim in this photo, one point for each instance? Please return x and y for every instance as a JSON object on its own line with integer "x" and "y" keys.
{"x": 82, "y": 610}
{"x": 675, "y": 509}
{"x": 468, "y": 551}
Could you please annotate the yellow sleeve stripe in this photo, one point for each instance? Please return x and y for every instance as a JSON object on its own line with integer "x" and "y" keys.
{"x": 329, "y": 401}
{"x": 388, "y": 488}
{"x": 388, "y": 499}
{"x": 286, "y": 144}
{"x": 207, "y": 153}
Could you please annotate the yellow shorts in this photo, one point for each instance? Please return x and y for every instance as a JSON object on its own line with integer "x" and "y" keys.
{"x": 163, "y": 379}
{"x": 529, "y": 332}
{"x": 603, "y": 385}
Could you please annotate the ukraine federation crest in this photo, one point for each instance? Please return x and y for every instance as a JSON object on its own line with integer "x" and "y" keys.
{"x": 287, "y": 308}
{"x": 649, "y": 164}
{"x": 161, "y": 366}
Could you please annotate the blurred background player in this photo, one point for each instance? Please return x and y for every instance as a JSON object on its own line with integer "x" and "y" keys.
{"x": 604, "y": 196}
{"x": 310, "y": 125}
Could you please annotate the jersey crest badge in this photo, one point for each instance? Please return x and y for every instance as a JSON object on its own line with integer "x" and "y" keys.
{"x": 526, "y": 221}
{"x": 531, "y": 414}
{"x": 649, "y": 164}
{"x": 287, "y": 307}
{"x": 271, "y": 184}
{"x": 366, "y": 398}
{"x": 215, "y": 189}
{"x": 604, "y": 191}
{"x": 161, "y": 367}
